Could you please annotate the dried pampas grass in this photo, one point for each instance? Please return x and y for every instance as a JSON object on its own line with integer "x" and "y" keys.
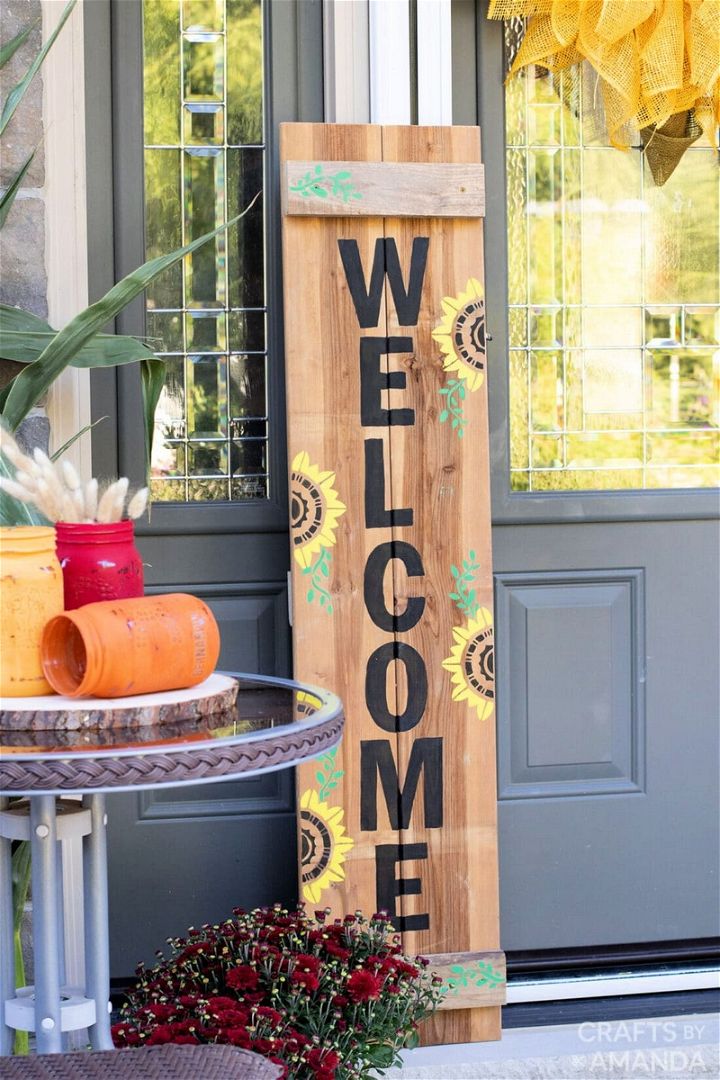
{"x": 59, "y": 494}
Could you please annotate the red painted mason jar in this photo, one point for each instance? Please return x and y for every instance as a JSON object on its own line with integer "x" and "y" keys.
{"x": 99, "y": 562}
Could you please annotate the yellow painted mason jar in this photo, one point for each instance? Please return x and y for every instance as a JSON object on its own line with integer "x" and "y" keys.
{"x": 31, "y": 592}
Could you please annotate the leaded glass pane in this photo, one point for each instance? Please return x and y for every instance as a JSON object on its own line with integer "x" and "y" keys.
{"x": 204, "y": 163}
{"x": 614, "y": 294}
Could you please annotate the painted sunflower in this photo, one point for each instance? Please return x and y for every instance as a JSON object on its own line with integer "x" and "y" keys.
{"x": 324, "y": 845}
{"x": 472, "y": 664}
{"x": 314, "y": 509}
{"x": 461, "y": 334}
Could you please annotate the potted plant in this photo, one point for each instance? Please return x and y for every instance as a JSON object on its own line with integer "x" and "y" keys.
{"x": 327, "y": 1000}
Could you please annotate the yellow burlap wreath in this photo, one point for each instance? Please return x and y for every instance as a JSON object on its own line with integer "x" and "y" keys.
{"x": 658, "y": 63}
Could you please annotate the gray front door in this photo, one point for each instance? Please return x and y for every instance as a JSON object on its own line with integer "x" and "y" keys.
{"x": 604, "y": 305}
{"x": 197, "y": 92}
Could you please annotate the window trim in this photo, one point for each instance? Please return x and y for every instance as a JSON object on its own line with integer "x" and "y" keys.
{"x": 543, "y": 507}
{"x": 293, "y": 91}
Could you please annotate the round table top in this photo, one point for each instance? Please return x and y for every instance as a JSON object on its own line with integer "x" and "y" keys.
{"x": 276, "y": 723}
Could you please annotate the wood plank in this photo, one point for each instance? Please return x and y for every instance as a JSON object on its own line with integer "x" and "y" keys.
{"x": 385, "y": 357}
{"x": 474, "y": 980}
{"x": 450, "y": 495}
{"x": 322, "y": 339}
{"x": 362, "y": 189}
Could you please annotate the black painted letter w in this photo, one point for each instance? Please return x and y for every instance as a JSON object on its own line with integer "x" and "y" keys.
{"x": 385, "y": 261}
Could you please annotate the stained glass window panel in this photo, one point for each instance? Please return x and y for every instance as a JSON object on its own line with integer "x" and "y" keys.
{"x": 204, "y": 163}
{"x": 614, "y": 299}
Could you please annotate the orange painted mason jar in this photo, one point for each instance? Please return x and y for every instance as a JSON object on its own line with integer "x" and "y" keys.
{"x": 31, "y": 592}
{"x": 117, "y": 648}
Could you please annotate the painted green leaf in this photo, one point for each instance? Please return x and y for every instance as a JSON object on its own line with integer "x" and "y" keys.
{"x": 443, "y": 416}
{"x": 310, "y": 595}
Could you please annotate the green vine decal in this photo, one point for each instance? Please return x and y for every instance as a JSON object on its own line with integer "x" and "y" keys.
{"x": 319, "y": 571}
{"x": 327, "y": 775}
{"x": 463, "y": 595}
{"x": 454, "y": 394}
{"x": 481, "y": 973}
{"x": 317, "y": 183}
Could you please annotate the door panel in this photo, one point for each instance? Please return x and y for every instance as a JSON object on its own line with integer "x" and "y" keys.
{"x": 607, "y": 600}
{"x": 608, "y": 795}
{"x": 573, "y": 681}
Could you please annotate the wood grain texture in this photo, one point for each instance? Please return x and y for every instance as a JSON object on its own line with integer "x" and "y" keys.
{"x": 53, "y": 712}
{"x": 476, "y": 980}
{"x": 449, "y": 867}
{"x": 450, "y": 494}
{"x": 378, "y": 189}
{"x": 323, "y": 394}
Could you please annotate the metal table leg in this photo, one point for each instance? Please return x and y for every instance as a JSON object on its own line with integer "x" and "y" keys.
{"x": 97, "y": 946}
{"x": 7, "y": 942}
{"x": 43, "y": 840}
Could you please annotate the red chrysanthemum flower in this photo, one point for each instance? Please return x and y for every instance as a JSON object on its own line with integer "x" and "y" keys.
{"x": 363, "y": 986}
{"x": 242, "y": 977}
{"x": 307, "y": 979}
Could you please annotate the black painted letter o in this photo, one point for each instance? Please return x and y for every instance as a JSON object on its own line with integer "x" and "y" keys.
{"x": 376, "y": 682}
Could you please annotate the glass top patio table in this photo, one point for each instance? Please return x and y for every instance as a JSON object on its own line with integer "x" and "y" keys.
{"x": 275, "y": 724}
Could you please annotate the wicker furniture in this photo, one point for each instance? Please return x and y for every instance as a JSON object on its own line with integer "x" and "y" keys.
{"x": 146, "y": 1063}
{"x": 275, "y": 724}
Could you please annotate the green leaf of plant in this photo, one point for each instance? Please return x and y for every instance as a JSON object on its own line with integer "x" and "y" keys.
{"x": 381, "y": 1057}
{"x": 12, "y": 46}
{"x": 8, "y": 196}
{"x": 31, "y": 383}
{"x": 152, "y": 374}
{"x": 320, "y": 777}
{"x": 26, "y": 344}
{"x": 310, "y": 595}
{"x": 74, "y": 438}
{"x": 443, "y": 416}
{"x": 18, "y": 92}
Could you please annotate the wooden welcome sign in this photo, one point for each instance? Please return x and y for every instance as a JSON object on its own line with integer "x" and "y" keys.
{"x": 390, "y": 520}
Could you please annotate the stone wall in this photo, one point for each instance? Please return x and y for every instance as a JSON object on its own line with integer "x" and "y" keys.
{"x": 23, "y": 280}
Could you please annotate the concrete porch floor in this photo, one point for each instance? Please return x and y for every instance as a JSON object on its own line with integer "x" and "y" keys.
{"x": 671, "y": 1047}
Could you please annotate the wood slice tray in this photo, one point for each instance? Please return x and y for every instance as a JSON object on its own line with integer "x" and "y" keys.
{"x": 53, "y": 712}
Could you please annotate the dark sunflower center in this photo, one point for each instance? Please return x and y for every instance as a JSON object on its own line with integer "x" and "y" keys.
{"x": 479, "y": 664}
{"x": 316, "y": 845}
{"x": 307, "y": 508}
{"x": 469, "y": 335}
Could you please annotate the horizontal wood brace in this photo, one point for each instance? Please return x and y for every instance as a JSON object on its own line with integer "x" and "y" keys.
{"x": 383, "y": 189}
{"x": 473, "y": 979}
